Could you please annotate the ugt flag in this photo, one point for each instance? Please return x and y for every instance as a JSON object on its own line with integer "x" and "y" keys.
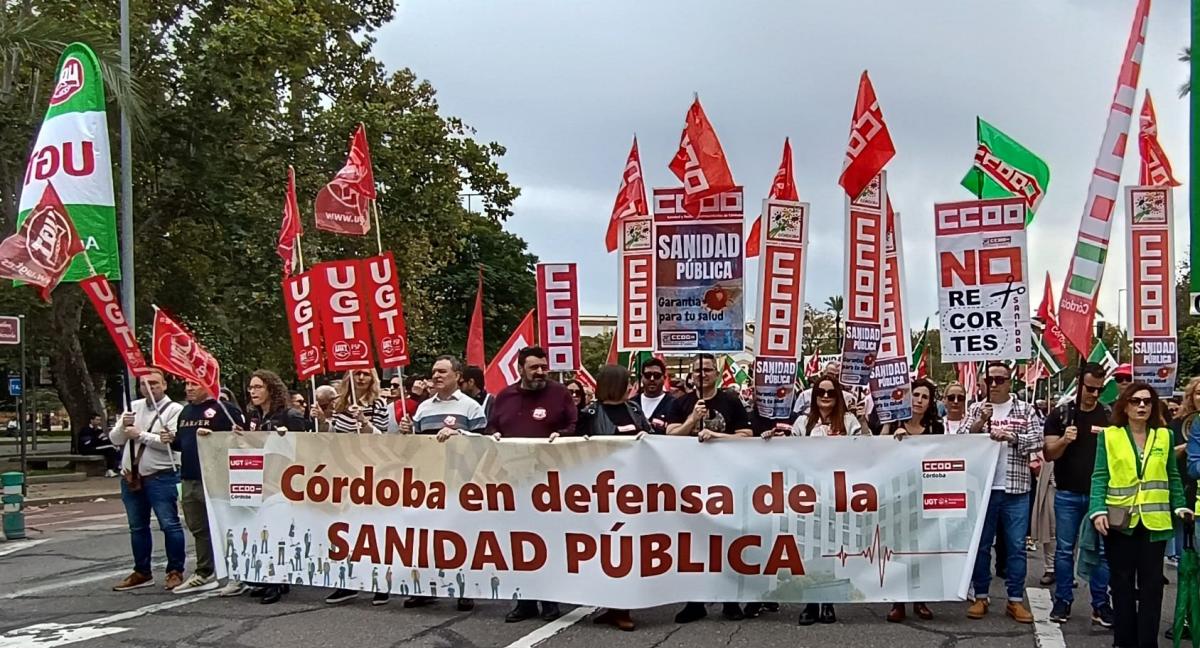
{"x": 1004, "y": 168}
{"x": 72, "y": 152}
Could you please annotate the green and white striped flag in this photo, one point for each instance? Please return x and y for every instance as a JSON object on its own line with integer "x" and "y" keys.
{"x": 1048, "y": 360}
{"x": 1101, "y": 355}
{"x": 72, "y": 152}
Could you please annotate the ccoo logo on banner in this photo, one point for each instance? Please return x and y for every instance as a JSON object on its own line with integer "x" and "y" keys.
{"x": 1151, "y": 286}
{"x": 558, "y": 314}
{"x": 891, "y": 381}
{"x": 864, "y": 281}
{"x": 983, "y": 297}
{"x": 780, "y": 306}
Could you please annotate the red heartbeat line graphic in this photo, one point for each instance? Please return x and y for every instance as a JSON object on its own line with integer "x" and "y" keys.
{"x": 885, "y": 554}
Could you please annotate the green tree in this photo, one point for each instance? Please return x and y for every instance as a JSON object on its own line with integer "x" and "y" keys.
{"x": 241, "y": 90}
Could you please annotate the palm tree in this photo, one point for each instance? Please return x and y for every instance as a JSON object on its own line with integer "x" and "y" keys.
{"x": 835, "y": 304}
{"x": 1186, "y": 57}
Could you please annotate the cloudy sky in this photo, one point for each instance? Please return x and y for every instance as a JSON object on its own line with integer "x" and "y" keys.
{"x": 565, "y": 85}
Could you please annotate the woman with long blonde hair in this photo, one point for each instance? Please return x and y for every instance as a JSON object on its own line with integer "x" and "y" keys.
{"x": 360, "y": 406}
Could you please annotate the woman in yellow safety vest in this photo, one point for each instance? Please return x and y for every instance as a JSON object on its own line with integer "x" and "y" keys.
{"x": 1135, "y": 488}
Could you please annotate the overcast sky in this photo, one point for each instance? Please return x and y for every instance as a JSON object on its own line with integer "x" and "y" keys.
{"x": 565, "y": 85}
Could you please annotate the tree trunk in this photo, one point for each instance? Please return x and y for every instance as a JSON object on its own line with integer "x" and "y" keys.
{"x": 71, "y": 377}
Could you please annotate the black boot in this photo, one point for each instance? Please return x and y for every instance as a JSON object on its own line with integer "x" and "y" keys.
{"x": 809, "y": 615}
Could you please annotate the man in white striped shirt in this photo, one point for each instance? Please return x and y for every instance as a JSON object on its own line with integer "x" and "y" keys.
{"x": 447, "y": 412}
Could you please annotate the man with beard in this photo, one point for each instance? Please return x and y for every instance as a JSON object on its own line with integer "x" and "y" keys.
{"x": 533, "y": 408}
{"x": 655, "y": 402}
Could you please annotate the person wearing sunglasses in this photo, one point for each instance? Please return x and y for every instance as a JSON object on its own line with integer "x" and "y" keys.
{"x": 956, "y": 408}
{"x": 578, "y": 394}
{"x": 1135, "y": 489}
{"x": 1123, "y": 375}
{"x": 708, "y": 414}
{"x": 655, "y": 402}
{"x": 1072, "y": 433}
{"x": 1012, "y": 423}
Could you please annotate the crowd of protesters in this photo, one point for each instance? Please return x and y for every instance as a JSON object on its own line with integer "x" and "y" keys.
{"x": 1110, "y": 488}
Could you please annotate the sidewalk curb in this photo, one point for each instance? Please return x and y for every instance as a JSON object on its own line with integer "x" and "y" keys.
{"x": 70, "y": 499}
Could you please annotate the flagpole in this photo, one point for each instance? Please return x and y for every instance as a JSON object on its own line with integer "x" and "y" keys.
{"x": 127, "y": 276}
{"x": 378, "y": 234}
{"x": 312, "y": 380}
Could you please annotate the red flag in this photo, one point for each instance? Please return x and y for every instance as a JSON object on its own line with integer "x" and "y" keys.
{"x": 339, "y": 290}
{"x": 584, "y": 377}
{"x": 343, "y": 205}
{"x": 1052, "y": 335}
{"x": 611, "y": 358}
{"x": 104, "y": 299}
{"x": 42, "y": 247}
{"x": 387, "y": 310}
{"x": 1156, "y": 168}
{"x": 782, "y": 188}
{"x": 728, "y": 375}
{"x": 700, "y": 162}
{"x": 969, "y": 377}
{"x": 304, "y": 327}
{"x": 177, "y": 352}
{"x": 870, "y": 146}
{"x": 813, "y": 367}
{"x": 475, "y": 356}
{"x": 631, "y": 197}
{"x": 290, "y": 228}
{"x": 923, "y": 363}
{"x": 503, "y": 370}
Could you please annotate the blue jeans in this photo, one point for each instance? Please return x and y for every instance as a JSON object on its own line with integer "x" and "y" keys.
{"x": 158, "y": 494}
{"x": 1069, "y": 511}
{"x": 1010, "y": 512}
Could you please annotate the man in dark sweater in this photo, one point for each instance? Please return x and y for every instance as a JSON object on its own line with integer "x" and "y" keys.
{"x": 1072, "y": 433}
{"x": 533, "y": 408}
{"x": 202, "y": 415}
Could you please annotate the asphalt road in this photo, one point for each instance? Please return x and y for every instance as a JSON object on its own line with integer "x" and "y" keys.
{"x": 55, "y": 590}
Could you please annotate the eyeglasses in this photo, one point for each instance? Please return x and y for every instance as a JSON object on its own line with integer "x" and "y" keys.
{"x": 996, "y": 380}
{"x": 395, "y": 385}
{"x": 652, "y": 375}
{"x": 955, "y": 398}
{"x": 574, "y": 392}
{"x": 1140, "y": 402}
{"x": 257, "y": 387}
{"x": 824, "y": 393}
{"x": 708, "y": 370}
{"x": 1123, "y": 379}
{"x": 1093, "y": 390}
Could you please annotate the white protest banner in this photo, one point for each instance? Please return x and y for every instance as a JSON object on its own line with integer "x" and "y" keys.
{"x": 1151, "y": 261}
{"x": 613, "y": 521}
{"x": 983, "y": 295}
{"x": 698, "y": 269}
{"x": 865, "y": 224}
{"x": 558, "y": 315}
{"x": 891, "y": 386}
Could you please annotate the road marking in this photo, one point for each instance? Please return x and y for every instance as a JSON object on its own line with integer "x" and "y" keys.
{"x": 1046, "y": 633}
{"x": 549, "y": 630}
{"x": 50, "y": 587}
{"x": 13, "y": 546}
{"x": 51, "y": 635}
{"x": 85, "y": 518}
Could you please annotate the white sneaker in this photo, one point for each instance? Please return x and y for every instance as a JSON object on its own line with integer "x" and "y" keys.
{"x": 233, "y": 588}
{"x": 110, "y": 474}
{"x": 197, "y": 583}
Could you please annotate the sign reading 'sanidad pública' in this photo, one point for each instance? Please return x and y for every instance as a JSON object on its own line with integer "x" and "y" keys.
{"x": 603, "y": 521}
{"x": 699, "y": 265}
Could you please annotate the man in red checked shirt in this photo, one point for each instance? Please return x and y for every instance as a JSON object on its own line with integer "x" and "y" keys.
{"x": 533, "y": 408}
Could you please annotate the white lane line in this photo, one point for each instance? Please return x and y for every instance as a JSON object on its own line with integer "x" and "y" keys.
{"x": 549, "y": 630}
{"x": 85, "y": 518}
{"x": 1046, "y": 633}
{"x": 13, "y": 546}
{"x": 51, "y": 635}
{"x": 50, "y": 587}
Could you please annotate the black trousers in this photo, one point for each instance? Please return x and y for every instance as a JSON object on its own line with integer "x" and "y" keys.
{"x": 1136, "y": 567}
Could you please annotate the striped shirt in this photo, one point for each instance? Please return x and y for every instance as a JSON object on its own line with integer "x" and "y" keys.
{"x": 457, "y": 412}
{"x": 376, "y": 413}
